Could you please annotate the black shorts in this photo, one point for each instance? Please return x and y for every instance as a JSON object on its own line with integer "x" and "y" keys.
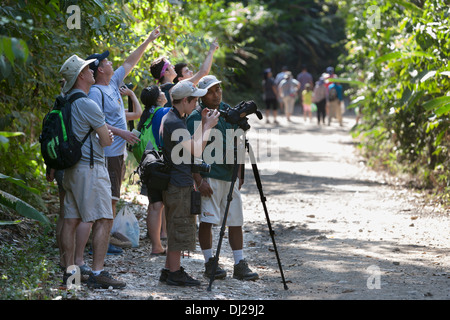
{"x": 153, "y": 195}
{"x": 271, "y": 104}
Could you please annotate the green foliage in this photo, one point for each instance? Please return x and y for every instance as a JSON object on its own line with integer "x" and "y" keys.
{"x": 25, "y": 272}
{"x": 402, "y": 57}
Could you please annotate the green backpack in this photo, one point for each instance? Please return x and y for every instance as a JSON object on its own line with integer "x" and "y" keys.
{"x": 145, "y": 137}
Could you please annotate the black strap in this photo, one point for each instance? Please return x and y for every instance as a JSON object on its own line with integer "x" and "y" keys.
{"x": 72, "y": 99}
{"x": 103, "y": 98}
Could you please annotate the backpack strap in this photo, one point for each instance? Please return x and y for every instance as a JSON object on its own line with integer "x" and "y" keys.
{"x": 103, "y": 97}
{"x": 72, "y": 99}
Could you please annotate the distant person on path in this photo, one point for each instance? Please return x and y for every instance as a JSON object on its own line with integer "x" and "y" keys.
{"x": 320, "y": 99}
{"x": 305, "y": 78}
{"x": 270, "y": 92}
{"x": 307, "y": 101}
{"x": 278, "y": 78}
{"x": 288, "y": 89}
{"x": 334, "y": 99}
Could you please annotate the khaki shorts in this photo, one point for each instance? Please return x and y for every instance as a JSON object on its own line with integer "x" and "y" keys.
{"x": 181, "y": 227}
{"x": 116, "y": 169}
{"x": 88, "y": 193}
{"x": 213, "y": 208}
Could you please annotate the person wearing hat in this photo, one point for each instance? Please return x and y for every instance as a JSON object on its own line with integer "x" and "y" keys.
{"x": 178, "y": 148}
{"x": 88, "y": 195}
{"x": 168, "y": 75}
{"x": 214, "y": 187}
{"x": 107, "y": 93}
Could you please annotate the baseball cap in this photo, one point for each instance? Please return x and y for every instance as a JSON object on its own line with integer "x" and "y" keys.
{"x": 71, "y": 69}
{"x": 97, "y": 59}
{"x": 207, "y": 82}
{"x": 184, "y": 89}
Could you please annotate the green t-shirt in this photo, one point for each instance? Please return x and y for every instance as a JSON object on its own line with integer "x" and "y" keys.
{"x": 224, "y": 169}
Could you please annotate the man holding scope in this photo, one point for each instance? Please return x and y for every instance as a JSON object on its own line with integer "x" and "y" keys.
{"x": 214, "y": 187}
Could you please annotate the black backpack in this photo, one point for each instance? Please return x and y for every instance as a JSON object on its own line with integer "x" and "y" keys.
{"x": 59, "y": 147}
{"x": 153, "y": 170}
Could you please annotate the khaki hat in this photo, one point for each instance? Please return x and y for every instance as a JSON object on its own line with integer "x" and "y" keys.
{"x": 71, "y": 69}
{"x": 184, "y": 89}
{"x": 207, "y": 82}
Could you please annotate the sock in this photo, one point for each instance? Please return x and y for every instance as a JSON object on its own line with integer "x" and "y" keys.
{"x": 207, "y": 254}
{"x": 96, "y": 273}
{"x": 238, "y": 255}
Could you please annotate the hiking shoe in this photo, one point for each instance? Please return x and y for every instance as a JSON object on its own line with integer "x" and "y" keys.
{"x": 119, "y": 240}
{"x": 181, "y": 278}
{"x": 164, "y": 274}
{"x": 243, "y": 272}
{"x": 85, "y": 272}
{"x": 104, "y": 281}
{"x": 220, "y": 273}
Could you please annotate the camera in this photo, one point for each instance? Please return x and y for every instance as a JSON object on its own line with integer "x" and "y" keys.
{"x": 238, "y": 114}
{"x": 200, "y": 166}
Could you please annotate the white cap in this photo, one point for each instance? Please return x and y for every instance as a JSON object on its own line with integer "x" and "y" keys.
{"x": 184, "y": 89}
{"x": 207, "y": 82}
{"x": 71, "y": 69}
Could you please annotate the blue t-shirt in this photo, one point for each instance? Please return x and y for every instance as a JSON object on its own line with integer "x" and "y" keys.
{"x": 113, "y": 109}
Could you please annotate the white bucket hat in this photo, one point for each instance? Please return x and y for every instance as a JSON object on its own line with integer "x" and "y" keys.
{"x": 207, "y": 82}
{"x": 71, "y": 69}
{"x": 184, "y": 89}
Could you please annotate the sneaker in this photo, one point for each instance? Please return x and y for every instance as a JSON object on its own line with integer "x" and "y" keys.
{"x": 243, "y": 272}
{"x": 181, "y": 278}
{"x": 119, "y": 240}
{"x": 113, "y": 250}
{"x": 220, "y": 273}
{"x": 104, "y": 281}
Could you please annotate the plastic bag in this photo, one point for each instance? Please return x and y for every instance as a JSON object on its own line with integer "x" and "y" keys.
{"x": 126, "y": 223}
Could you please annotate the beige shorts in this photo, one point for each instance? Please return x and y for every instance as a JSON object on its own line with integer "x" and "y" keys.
{"x": 213, "y": 208}
{"x": 88, "y": 193}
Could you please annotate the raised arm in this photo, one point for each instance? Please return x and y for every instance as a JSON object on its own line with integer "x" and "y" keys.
{"x": 206, "y": 66}
{"x": 136, "y": 55}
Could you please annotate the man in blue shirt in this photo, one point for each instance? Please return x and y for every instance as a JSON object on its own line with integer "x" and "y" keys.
{"x": 107, "y": 94}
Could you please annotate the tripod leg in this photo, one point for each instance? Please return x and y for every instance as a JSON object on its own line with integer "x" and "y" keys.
{"x": 263, "y": 201}
{"x": 222, "y": 229}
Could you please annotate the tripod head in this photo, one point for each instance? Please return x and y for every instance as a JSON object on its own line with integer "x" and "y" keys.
{"x": 238, "y": 114}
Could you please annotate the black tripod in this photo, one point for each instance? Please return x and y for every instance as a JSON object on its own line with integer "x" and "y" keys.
{"x": 230, "y": 197}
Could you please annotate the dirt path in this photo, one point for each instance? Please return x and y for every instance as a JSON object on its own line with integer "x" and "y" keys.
{"x": 342, "y": 231}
